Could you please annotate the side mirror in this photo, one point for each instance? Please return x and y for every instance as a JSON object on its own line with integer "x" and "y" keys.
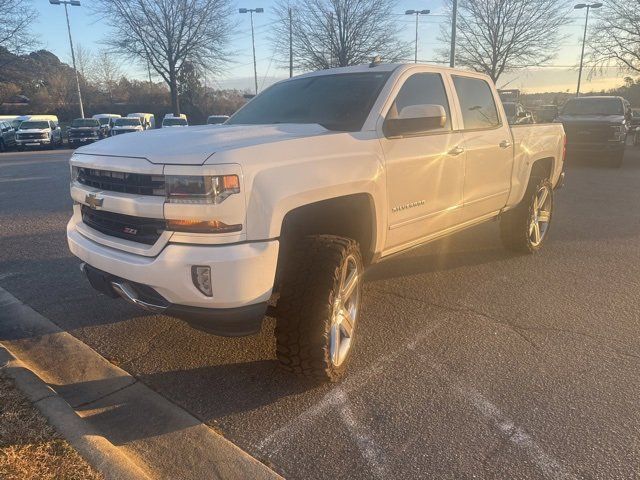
{"x": 414, "y": 120}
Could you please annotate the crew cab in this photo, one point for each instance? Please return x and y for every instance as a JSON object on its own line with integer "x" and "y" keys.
{"x": 38, "y": 133}
{"x": 280, "y": 210}
{"x": 85, "y": 130}
{"x": 597, "y": 127}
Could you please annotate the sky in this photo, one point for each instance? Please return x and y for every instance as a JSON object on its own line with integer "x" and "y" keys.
{"x": 88, "y": 32}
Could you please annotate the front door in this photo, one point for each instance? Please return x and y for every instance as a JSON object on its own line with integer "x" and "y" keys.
{"x": 424, "y": 171}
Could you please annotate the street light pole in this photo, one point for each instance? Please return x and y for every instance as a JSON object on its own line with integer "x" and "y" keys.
{"x": 74, "y": 3}
{"x": 290, "y": 43}
{"x": 580, "y": 6}
{"x": 251, "y": 11}
{"x": 454, "y": 21}
{"x": 417, "y": 13}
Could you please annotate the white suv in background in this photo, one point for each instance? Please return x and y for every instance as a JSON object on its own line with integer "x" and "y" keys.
{"x": 171, "y": 120}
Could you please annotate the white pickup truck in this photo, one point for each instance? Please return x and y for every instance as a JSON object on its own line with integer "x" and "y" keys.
{"x": 287, "y": 203}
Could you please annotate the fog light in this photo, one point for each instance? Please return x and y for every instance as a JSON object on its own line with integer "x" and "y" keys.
{"x": 201, "y": 276}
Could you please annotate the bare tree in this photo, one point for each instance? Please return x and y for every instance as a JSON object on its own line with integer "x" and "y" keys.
{"x": 84, "y": 60}
{"x": 16, "y": 18}
{"x": 338, "y": 33}
{"x": 497, "y": 36}
{"x": 614, "y": 40}
{"x": 166, "y": 33}
{"x": 106, "y": 72}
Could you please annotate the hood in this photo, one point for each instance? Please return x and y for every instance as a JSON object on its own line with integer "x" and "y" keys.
{"x": 194, "y": 145}
{"x": 82, "y": 129}
{"x": 589, "y": 119}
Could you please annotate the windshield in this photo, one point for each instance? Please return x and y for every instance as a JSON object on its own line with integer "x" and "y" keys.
{"x": 85, "y": 122}
{"x": 337, "y": 102}
{"x": 593, "y": 106}
{"x": 104, "y": 120}
{"x": 216, "y": 120}
{"x": 127, "y": 122}
{"x": 34, "y": 125}
{"x": 170, "y": 122}
{"x": 509, "y": 109}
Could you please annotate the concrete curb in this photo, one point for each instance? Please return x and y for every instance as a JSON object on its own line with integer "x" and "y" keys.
{"x": 121, "y": 427}
{"x": 96, "y": 450}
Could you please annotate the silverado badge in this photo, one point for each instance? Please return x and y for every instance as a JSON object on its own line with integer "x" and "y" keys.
{"x": 93, "y": 201}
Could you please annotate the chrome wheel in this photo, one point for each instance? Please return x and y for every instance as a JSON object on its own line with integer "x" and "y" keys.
{"x": 345, "y": 311}
{"x": 540, "y": 215}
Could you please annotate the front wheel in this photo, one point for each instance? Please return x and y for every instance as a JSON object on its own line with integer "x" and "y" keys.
{"x": 319, "y": 306}
{"x": 525, "y": 228}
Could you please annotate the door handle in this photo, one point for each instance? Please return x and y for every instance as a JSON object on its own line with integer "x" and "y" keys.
{"x": 505, "y": 144}
{"x": 455, "y": 151}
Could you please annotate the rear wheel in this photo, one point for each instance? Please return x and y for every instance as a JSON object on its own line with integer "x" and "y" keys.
{"x": 319, "y": 306}
{"x": 525, "y": 228}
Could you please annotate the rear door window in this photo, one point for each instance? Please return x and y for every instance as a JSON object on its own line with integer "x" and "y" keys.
{"x": 477, "y": 103}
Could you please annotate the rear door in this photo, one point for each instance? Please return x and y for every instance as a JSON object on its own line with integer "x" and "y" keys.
{"x": 424, "y": 171}
{"x": 489, "y": 147}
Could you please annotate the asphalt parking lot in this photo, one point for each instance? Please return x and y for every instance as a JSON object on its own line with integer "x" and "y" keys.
{"x": 471, "y": 362}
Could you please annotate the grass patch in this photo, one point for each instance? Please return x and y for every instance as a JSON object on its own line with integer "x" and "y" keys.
{"x": 29, "y": 447}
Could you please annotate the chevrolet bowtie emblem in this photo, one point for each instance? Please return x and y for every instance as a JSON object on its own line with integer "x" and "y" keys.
{"x": 93, "y": 201}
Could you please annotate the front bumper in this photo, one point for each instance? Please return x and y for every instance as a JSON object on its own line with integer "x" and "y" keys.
{"x": 33, "y": 142}
{"x": 242, "y": 277}
{"x": 595, "y": 148}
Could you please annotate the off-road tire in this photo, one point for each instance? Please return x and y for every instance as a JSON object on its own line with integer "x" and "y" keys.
{"x": 310, "y": 282}
{"x": 515, "y": 223}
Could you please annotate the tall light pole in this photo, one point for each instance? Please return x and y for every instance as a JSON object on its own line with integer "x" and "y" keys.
{"x": 290, "y": 43}
{"x": 74, "y": 3}
{"x": 251, "y": 11}
{"x": 454, "y": 21}
{"x": 580, "y": 6}
{"x": 417, "y": 13}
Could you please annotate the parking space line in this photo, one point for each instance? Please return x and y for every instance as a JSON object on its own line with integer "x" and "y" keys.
{"x": 548, "y": 465}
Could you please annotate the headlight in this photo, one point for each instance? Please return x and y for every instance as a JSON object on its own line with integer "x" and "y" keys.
{"x": 619, "y": 132}
{"x": 74, "y": 173}
{"x": 196, "y": 189}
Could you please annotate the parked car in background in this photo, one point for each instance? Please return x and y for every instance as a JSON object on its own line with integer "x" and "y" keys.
{"x": 517, "y": 114}
{"x": 217, "y": 119}
{"x": 316, "y": 177}
{"x": 106, "y": 121}
{"x": 170, "y": 120}
{"x": 85, "y": 130}
{"x": 13, "y": 120}
{"x": 546, "y": 113}
{"x": 147, "y": 120}
{"x": 126, "y": 125}
{"x": 39, "y": 133}
{"x": 7, "y": 135}
{"x": 597, "y": 126}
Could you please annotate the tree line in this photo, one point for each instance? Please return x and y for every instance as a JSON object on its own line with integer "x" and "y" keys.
{"x": 188, "y": 39}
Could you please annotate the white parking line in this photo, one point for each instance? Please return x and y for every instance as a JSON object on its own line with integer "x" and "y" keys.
{"x": 549, "y": 466}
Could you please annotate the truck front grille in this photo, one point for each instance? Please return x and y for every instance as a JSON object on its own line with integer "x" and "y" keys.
{"x": 588, "y": 133}
{"x": 136, "y": 229}
{"x": 136, "y": 183}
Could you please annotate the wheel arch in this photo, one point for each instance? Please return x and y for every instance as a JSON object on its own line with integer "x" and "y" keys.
{"x": 351, "y": 216}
